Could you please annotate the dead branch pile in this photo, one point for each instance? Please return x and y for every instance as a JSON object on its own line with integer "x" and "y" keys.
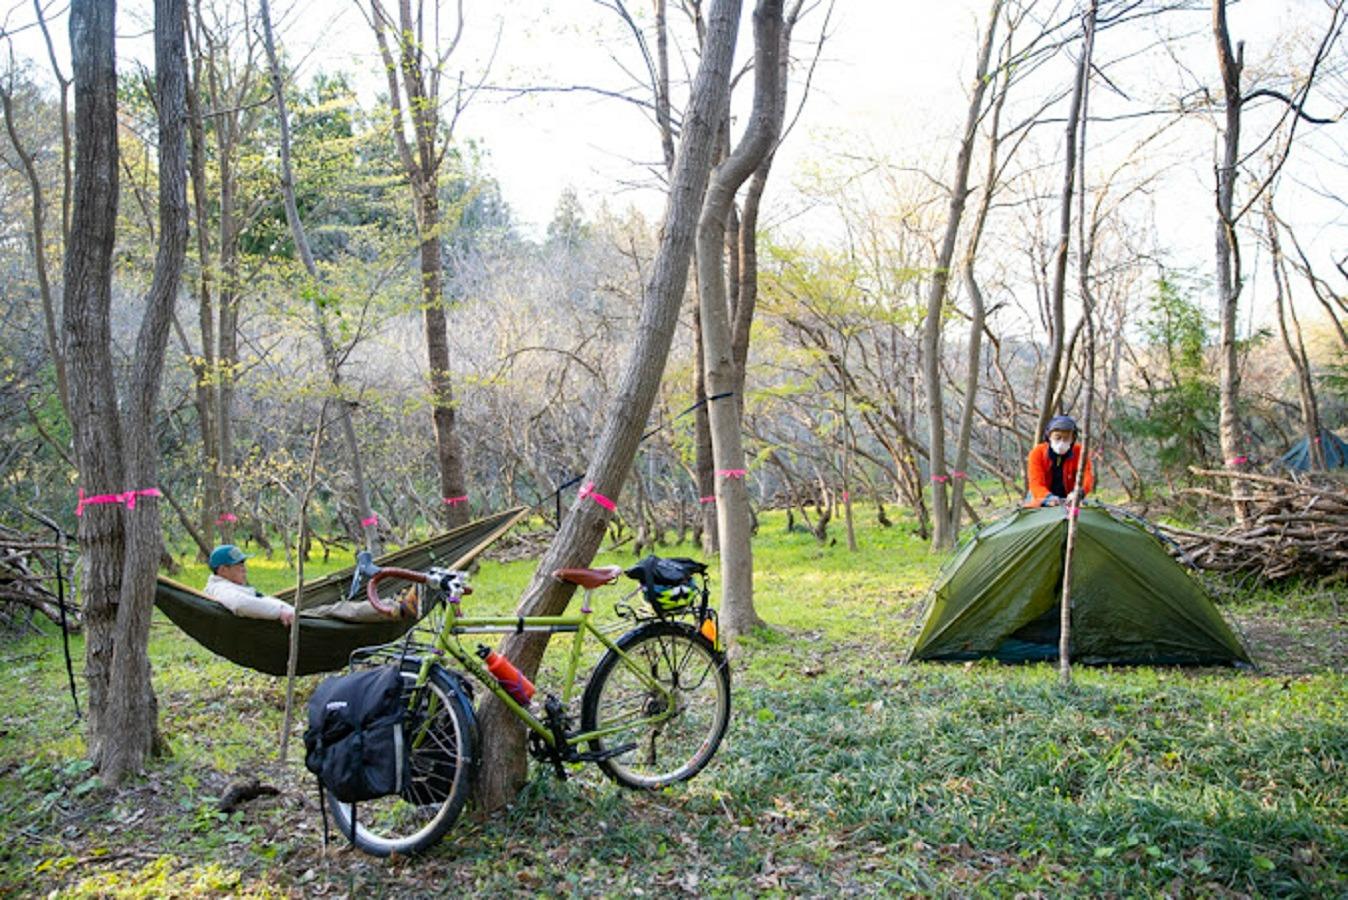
{"x": 1295, "y": 527}
{"x": 28, "y": 579}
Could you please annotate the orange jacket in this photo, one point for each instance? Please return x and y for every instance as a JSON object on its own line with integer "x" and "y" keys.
{"x": 1039, "y": 471}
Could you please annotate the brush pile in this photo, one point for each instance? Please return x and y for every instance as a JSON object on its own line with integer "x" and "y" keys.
{"x": 28, "y": 579}
{"x": 1294, "y": 527}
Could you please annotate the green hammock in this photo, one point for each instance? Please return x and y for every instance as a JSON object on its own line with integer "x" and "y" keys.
{"x": 325, "y": 644}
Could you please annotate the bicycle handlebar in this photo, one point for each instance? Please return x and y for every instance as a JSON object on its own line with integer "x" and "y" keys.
{"x": 373, "y": 595}
{"x": 448, "y": 580}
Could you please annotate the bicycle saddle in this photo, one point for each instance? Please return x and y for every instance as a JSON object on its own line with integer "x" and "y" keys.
{"x": 589, "y": 578}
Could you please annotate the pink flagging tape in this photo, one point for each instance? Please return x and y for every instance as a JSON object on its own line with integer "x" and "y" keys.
{"x": 130, "y": 496}
{"x": 589, "y": 492}
{"x": 710, "y": 498}
{"x": 732, "y": 473}
{"x": 127, "y": 497}
{"x": 455, "y": 501}
{"x": 847, "y": 497}
{"x": 226, "y": 519}
{"x": 1237, "y": 461}
{"x": 958, "y": 474}
{"x": 372, "y": 520}
{"x": 1072, "y": 511}
{"x": 940, "y": 479}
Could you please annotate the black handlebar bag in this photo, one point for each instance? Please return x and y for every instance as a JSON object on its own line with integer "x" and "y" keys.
{"x": 354, "y": 743}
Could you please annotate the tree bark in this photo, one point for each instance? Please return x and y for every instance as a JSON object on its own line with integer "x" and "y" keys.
{"x": 732, "y": 495}
{"x": 39, "y": 244}
{"x": 369, "y": 523}
{"x": 1057, "y": 315}
{"x": 503, "y": 769}
{"x": 942, "y": 534}
{"x": 121, "y": 549}
{"x": 88, "y": 347}
{"x": 1296, "y": 349}
{"x": 422, "y": 165}
{"x": 1229, "y": 283}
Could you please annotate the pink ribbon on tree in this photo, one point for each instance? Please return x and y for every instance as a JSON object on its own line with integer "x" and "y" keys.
{"x": 127, "y": 497}
{"x": 372, "y": 520}
{"x": 589, "y": 492}
{"x": 940, "y": 479}
{"x": 226, "y": 519}
{"x": 1072, "y": 511}
{"x": 710, "y": 498}
{"x": 455, "y": 501}
{"x": 1237, "y": 461}
{"x": 958, "y": 474}
{"x": 847, "y": 497}
{"x": 732, "y": 473}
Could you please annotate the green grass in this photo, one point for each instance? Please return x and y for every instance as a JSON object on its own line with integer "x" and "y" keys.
{"x": 844, "y": 772}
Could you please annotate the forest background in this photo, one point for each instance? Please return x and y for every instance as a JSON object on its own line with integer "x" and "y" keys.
{"x": 406, "y": 268}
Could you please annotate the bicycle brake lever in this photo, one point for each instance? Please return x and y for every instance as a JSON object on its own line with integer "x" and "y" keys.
{"x": 365, "y": 568}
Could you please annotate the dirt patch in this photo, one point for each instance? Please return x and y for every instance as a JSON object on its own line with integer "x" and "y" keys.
{"x": 1284, "y": 645}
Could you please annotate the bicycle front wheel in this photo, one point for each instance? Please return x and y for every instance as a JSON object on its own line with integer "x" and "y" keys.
{"x": 441, "y": 734}
{"x": 674, "y": 735}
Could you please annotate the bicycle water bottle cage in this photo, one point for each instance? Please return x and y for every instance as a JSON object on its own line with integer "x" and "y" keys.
{"x": 667, "y": 583}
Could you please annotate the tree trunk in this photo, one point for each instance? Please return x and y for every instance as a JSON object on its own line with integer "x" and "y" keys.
{"x": 88, "y": 349}
{"x": 942, "y": 535}
{"x": 732, "y": 494}
{"x": 420, "y": 84}
{"x": 503, "y": 769}
{"x": 1057, "y": 316}
{"x": 448, "y": 452}
{"x": 703, "y": 462}
{"x": 369, "y": 523}
{"x": 1296, "y": 349}
{"x": 203, "y": 368}
{"x": 1229, "y": 284}
{"x": 121, "y": 552}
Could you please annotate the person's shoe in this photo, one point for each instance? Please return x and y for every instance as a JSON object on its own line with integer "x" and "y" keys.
{"x": 409, "y": 604}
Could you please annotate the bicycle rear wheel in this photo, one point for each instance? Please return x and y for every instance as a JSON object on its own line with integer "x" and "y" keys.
{"x": 678, "y": 747}
{"x": 441, "y": 732}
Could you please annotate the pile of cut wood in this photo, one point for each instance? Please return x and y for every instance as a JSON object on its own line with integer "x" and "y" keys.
{"x": 1293, "y": 527}
{"x": 28, "y": 579}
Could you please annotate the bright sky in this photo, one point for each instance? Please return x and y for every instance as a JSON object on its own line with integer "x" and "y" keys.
{"x": 892, "y": 80}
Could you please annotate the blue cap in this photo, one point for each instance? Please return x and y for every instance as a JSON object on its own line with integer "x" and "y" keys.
{"x": 226, "y": 555}
{"x": 1061, "y": 423}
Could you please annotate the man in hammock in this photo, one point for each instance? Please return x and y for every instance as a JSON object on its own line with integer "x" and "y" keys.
{"x": 1051, "y": 467}
{"x": 228, "y": 586}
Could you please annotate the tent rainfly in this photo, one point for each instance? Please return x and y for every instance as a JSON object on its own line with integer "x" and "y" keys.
{"x": 1298, "y": 456}
{"x": 1132, "y": 604}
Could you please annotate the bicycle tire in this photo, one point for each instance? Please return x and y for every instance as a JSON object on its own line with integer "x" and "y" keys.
{"x": 675, "y": 750}
{"x": 441, "y": 764}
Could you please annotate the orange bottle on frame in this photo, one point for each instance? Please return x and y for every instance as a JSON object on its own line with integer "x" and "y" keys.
{"x": 512, "y": 679}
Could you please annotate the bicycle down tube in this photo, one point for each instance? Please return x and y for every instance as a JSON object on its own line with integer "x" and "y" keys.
{"x": 579, "y": 625}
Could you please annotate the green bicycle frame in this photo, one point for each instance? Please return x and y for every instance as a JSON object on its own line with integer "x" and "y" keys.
{"x": 447, "y": 641}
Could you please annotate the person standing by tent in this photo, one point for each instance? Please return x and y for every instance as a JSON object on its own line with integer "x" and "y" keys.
{"x": 228, "y": 586}
{"x": 1051, "y": 467}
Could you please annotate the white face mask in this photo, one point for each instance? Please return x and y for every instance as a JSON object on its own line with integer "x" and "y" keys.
{"x": 1060, "y": 447}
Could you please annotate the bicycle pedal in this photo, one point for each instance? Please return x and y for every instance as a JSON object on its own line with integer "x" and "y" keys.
{"x": 607, "y": 753}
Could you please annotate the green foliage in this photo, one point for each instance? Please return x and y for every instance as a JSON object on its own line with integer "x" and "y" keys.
{"x": 844, "y": 772}
{"x": 1177, "y": 414}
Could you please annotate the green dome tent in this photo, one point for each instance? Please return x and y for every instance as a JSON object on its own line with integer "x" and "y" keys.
{"x": 1131, "y": 603}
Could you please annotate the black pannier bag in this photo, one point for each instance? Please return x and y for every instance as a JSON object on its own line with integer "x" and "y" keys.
{"x": 667, "y": 582}
{"x": 354, "y": 743}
